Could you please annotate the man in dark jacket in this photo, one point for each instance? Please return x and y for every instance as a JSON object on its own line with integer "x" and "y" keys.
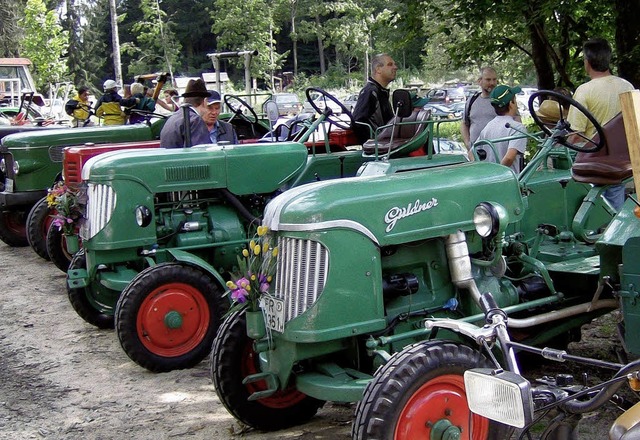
{"x": 373, "y": 106}
{"x": 174, "y": 132}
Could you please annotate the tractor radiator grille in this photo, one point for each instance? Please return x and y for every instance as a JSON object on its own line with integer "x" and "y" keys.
{"x": 101, "y": 201}
{"x": 301, "y": 274}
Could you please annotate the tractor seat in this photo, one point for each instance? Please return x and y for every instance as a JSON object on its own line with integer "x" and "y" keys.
{"x": 399, "y": 132}
{"x": 609, "y": 166}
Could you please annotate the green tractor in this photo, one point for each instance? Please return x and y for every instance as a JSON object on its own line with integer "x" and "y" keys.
{"x": 362, "y": 262}
{"x": 164, "y": 229}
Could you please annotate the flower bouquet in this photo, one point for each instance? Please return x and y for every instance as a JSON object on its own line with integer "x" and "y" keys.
{"x": 66, "y": 201}
{"x": 257, "y": 266}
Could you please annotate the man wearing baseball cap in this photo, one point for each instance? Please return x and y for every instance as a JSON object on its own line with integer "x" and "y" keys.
{"x": 510, "y": 153}
{"x": 174, "y": 133}
{"x": 219, "y": 131}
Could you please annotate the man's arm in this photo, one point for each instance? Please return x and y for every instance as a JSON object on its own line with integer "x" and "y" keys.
{"x": 510, "y": 157}
{"x": 466, "y": 136}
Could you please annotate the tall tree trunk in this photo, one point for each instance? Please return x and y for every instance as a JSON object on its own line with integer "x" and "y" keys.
{"x": 115, "y": 42}
{"x": 320, "y": 45}
{"x": 628, "y": 40}
{"x": 294, "y": 36}
{"x": 539, "y": 53}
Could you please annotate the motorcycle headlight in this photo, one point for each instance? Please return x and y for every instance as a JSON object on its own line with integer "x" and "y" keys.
{"x": 487, "y": 219}
{"x": 504, "y": 397}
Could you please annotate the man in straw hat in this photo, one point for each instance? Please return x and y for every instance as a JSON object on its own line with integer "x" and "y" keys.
{"x": 175, "y": 133}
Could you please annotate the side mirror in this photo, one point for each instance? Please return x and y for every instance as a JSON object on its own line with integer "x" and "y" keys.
{"x": 271, "y": 109}
{"x": 402, "y": 103}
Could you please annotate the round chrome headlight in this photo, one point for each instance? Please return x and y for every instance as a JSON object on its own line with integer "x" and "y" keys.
{"x": 486, "y": 219}
{"x": 16, "y": 167}
{"x": 143, "y": 216}
{"x": 3, "y": 165}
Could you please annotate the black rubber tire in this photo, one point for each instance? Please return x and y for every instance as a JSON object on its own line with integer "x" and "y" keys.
{"x": 79, "y": 298}
{"x": 232, "y": 352}
{"x": 13, "y": 226}
{"x": 395, "y": 383}
{"x": 130, "y": 311}
{"x": 37, "y": 227}
{"x": 57, "y": 249}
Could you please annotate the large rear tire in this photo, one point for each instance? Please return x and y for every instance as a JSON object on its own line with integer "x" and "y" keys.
{"x": 232, "y": 359}
{"x": 80, "y": 298}
{"x": 168, "y": 316}
{"x": 38, "y": 222}
{"x": 13, "y": 226}
{"x": 420, "y": 390}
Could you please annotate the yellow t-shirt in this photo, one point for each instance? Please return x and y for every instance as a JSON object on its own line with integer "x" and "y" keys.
{"x": 601, "y": 97}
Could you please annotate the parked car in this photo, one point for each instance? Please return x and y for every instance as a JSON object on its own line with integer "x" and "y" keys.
{"x": 321, "y": 102}
{"x": 288, "y": 103}
{"x": 446, "y": 95}
{"x": 522, "y": 99}
{"x": 350, "y": 101}
{"x": 439, "y": 111}
{"x": 448, "y": 146}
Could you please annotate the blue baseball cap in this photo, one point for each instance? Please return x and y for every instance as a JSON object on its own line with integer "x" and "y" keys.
{"x": 214, "y": 97}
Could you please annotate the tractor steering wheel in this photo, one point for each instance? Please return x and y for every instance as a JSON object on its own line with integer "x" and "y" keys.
{"x": 330, "y": 117}
{"x": 237, "y": 106}
{"x": 562, "y": 130}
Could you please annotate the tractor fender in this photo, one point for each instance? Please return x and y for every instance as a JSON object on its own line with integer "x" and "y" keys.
{"x": 192, "y": 260}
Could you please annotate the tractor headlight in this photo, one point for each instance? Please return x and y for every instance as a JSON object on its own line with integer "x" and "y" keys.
{"x": 16, "y": 167}
{"x": 504, "y": 397}
{"x": 489, "y": 219}
{"x": 143, "y": 216}
{"x": 3, "y": 165}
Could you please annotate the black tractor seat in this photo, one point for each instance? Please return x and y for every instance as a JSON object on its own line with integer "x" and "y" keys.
{"x": 400, "y": 132}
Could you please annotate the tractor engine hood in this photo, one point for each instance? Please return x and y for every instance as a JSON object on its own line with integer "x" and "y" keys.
{"x": 242, "y": 169}
{"x": 401, "y": 207}
{"x": 75, "y": 136}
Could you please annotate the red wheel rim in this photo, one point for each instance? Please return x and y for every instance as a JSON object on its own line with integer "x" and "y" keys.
{"x": 281, "y": 399}
{"x": 443, "y": 397}
{"x": 192, "y": 307}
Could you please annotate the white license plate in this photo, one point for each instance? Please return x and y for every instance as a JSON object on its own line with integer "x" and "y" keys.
{"x": 8, "y": 185}
{"x": 273, "y": 309}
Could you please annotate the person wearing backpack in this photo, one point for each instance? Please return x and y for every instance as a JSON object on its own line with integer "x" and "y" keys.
{"x": 479, "y": 111}
{"x": 79, "y": 108}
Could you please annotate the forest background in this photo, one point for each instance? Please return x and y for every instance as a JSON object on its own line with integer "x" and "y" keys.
{"x": 327, "y": 44}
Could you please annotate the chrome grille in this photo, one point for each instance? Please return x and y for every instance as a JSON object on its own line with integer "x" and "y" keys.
{"x": 101, "y": 202}
{"x": 302, "y": 271}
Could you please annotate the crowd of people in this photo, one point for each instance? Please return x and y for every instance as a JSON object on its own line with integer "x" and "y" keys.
{"x": 492, "y": 113}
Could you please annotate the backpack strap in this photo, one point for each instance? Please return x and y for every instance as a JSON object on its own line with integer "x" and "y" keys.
{"x": 467, "y": 110}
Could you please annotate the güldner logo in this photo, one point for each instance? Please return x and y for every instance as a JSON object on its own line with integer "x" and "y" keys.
{"x": 396, "y": 213}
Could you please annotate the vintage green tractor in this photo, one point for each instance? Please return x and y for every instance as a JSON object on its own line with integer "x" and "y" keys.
{"x": 32, "y": 162}
{"x": 164, "y": 228}
{"x": 363, "y": 261}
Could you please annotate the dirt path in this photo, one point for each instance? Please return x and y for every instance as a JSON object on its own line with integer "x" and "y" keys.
{"x": 61, "y": 378}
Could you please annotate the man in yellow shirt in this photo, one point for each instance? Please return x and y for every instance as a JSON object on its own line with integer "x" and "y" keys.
{"x": 601, "y": 96}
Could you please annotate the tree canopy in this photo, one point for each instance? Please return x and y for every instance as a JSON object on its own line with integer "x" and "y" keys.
{"x": 329, "y": 42}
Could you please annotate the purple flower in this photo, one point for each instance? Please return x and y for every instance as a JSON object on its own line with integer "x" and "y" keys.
{"x": 239, "y": 295}
{"x": 264, "y": 287}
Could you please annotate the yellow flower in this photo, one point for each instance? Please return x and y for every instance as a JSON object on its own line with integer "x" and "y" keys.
{"x": 269, "y": 278}
{"x": 253, "y": 277}
{"x": 262, "y": 230}
{"x": 256, "y": 249}
{"x": 231, "y": 285}
{"x": 274, "y": 252}
{"x": 265, "y": 248}
{"x": 245, "y": 253}
{"x": 252, "y": 244}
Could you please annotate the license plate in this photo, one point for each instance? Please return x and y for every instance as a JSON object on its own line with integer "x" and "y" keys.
{"x": 273, "y": 309}
{"x": 8, "y": 185}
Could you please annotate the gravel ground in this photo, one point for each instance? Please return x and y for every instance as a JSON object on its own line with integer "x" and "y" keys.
{"x": 61, "y": 378}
